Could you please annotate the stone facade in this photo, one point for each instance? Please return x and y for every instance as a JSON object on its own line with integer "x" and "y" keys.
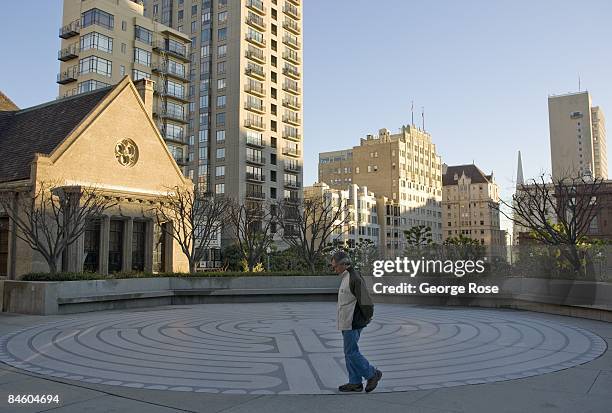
{"x": 127, "y": 237}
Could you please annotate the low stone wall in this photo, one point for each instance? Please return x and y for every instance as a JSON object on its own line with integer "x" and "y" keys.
{"x": 64, "y": 297}
{"x": 575, "y": 298}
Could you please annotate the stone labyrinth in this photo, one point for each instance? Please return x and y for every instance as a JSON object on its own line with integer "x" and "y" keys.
{"x": 294, "y": 348}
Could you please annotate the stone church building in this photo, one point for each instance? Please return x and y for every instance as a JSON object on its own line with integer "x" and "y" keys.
{"x": 105, "y": 139}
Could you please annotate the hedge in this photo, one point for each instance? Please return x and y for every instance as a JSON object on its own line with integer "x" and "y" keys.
{"x": 71, "y": 276}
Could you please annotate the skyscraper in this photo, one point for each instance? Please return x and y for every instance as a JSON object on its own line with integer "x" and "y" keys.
{"x": 105, "y": 40}
{"x": 245, "y": 110}
{"x": 577, "y": 136}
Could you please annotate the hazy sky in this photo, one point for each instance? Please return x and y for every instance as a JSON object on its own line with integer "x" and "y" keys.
{"x": 482, "y": 70}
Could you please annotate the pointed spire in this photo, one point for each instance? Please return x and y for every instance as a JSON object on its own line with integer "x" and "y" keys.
{"x": 519, "y": 171}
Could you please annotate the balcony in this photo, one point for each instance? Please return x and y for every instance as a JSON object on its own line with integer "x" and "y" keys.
{"x": 170, "y": 115}
{"x": 257, "y": 6}
{"x": 255, "y": 107}
{"x": 292, "y": 232}
{"x": 174, "y": 50}
{"x": 69, "y": 53}
{"x": 292, "y": 136}
{"x": 255, "y": 177}
{"x": 256, "y": 55}
{"x": 255, "y": 89}
{"x": 292, "y": 88}
{"x": 291, "y": 72}
{"x": 292, "y": 184}
{"x": 292, "y": 56}
{"x": 257, "y": 142}
{"x": 292, "y": 199}
{"x": 292, "y": 167}
{"x": 159, "y": 89}
{"x": 292, "y": 26}
{"x": 289, "y": 151}
{"x": 181, "y": 160}
{"x": 293, "y": 120}
{"x": 68, "y": 76}
{"x": 291, "y": 42}
{"x": 255, "y": 195}
{"x": 70, "y": 30}
{"x": 258, "y": 160}
{"x": 256, "y": 40}
{"x": 255, "y": 71}
{"x": 174, "y": 137}
{"x": 256, "y": 124}
{"x": 296, "y": 2}
{"x": 256, "y": 22}
{"x": 292, "y": 11}
{"x": 292, "y": 104}
{"x": 163, "y": 69}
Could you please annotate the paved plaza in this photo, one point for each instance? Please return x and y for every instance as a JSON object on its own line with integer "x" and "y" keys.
{"x": 279, "y": 356}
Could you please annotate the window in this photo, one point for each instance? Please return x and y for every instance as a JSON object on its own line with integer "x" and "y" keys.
{"x": 90, "y": 85}
{"x": 175, "y": 89}
{"x": 220, "y": 171}
{"x": 180, "y": 15}
{"x": 203, "y": 136}
{"x": 142, "y": 57}
{"x": 143, "y": 35}
{"x": 203, "y": 153}
{"x": 204, "y": 101}
{"x": 220, "y": 153}
{"x": 221, "y": 84}
{"x": 98, "y": 17}
{"x": 220, "y": 68}
{"x": 95, "y": 64}
{"x": 123, "y": 25}
{"x": 123, "y": 48}
{"x": 194, "y": 9}
{"x": 222, "y": 17}
{"x": 220, "y": 188}
{"x": 122, "y": 70}
{"x": 206, "y": 17}
{"x": 138, "y": 74}
{"x": 221, "y": 100}
{"x": 97, "y": 41}
{"x": 220, "y": 136}
{"x": 222, "y": 51}
{"x": 222, "y": 34}
{"x": 220, "y": 120}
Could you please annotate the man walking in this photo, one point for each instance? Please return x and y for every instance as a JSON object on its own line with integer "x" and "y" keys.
{"x": 355, "y": 310}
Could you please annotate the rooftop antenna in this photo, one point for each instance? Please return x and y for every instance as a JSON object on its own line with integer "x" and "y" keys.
{"x": 423, "y": 116}
{"x": 412, "y": 112}
{"x": 579, "y": 89}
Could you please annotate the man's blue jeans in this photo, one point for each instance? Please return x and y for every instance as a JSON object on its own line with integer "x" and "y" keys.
{"x": 357, "y": 365}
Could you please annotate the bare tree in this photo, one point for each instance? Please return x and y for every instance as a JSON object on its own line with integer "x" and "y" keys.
{"x": 556, "y": 213}
{"x": 50, "y": 217}
{"x": 196, "y": 216}
{"x": 253, "y": 227}
{"x": 310, "y": 225}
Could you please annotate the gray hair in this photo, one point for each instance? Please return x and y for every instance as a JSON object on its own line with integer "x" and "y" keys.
{"x": 341, "y": 257}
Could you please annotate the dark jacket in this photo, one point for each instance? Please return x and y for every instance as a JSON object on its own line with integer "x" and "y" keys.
{"x": 364, "y": 309}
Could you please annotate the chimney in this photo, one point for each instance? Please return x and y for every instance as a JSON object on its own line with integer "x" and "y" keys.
{"x": 444, "y": 168}
{"x": 145, "y": 90}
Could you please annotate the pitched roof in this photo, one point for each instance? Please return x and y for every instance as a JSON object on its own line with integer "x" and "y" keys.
{"x": 470, "y": 170}
{"x": 6, "y": 103}
{"x": 40, "y": 129}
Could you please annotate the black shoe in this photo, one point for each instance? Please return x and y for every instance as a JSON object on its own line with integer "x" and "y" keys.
{"x": 351, "y": 387}
{"x": 373, "y": 382}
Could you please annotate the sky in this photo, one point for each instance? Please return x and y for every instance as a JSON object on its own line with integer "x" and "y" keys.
{"x": 482, "y": 70}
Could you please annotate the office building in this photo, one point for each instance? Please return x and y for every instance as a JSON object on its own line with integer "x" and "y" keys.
{"x": 577, "y": 136}
{"x": 403, "y": 170}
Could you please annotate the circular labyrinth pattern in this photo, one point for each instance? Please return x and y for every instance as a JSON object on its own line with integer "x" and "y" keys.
{"x": 285, "y": 348}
